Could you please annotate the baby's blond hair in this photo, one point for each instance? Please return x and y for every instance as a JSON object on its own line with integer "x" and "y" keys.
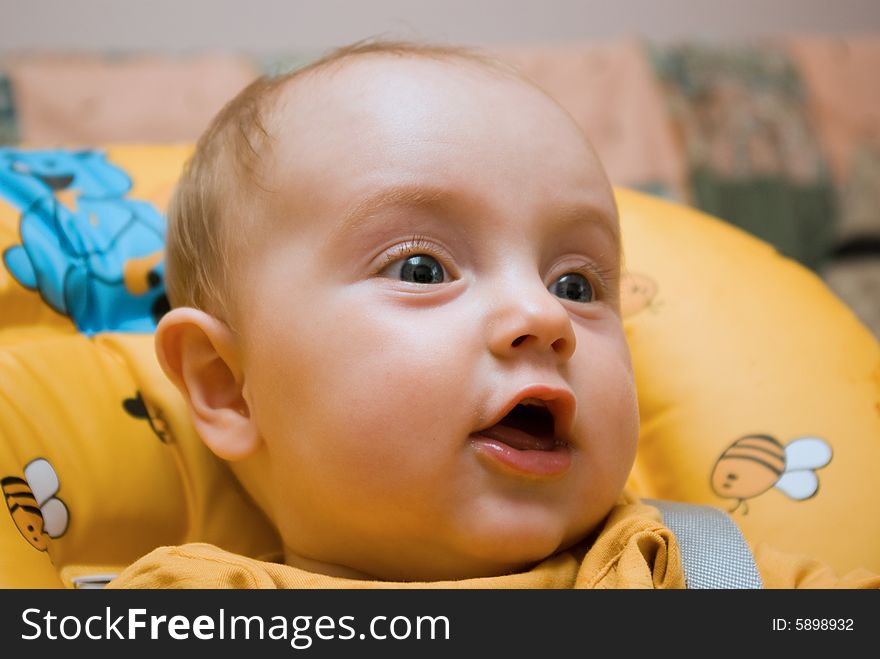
{"x": 221, "y": 181}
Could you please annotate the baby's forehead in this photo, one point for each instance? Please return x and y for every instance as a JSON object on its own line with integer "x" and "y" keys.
{"x": 392, "y": 84}
{"x": 387, "y": 99}
{"x": 383, "y": 122}
{"x": 356, "y": 73}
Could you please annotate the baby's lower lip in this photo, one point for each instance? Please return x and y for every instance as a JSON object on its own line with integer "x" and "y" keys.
{"x": 546, "y": 461}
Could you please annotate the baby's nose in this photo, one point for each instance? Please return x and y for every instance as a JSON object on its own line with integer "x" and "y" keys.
{"x": 530, "y": 318}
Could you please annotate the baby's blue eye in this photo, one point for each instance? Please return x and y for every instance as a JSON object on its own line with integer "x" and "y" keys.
{"x": 572, "y": 286}
{"x": 421, "y": 269}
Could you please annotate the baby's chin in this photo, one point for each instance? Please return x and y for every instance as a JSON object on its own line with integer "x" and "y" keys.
{"x": 480, "y": 542}
{"x": 491, "y": 555}
{"x": 519, "y": 552}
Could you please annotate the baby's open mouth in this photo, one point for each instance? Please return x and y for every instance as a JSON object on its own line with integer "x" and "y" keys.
{"x": 529, "y": 426}
{"x": 531, "y": 439}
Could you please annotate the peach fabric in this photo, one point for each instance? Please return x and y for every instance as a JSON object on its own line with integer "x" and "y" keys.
{"x": 841, "y": 77}
{"x": 612, "y": 93}
{"x": 141, "y": 98}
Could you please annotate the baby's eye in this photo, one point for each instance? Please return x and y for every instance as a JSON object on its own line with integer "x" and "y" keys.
{"x": 572, "y": 286}
{"x": 417, "y": 269}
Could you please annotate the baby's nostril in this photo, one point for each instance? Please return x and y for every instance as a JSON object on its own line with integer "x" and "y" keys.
{"x": 518, "y": 340}
{"x": 559, "y": 345}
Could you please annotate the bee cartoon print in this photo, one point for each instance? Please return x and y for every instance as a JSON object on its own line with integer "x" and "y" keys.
{"x": 38, "y": 514}
{"x": 637, "y": 292}
{"x": 140, "y": 408}
{"x": 755, "y": 463}
{"x": 25, "y": 512}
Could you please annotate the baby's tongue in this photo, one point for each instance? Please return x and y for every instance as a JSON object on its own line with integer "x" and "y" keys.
{"x": 524, "y": 430}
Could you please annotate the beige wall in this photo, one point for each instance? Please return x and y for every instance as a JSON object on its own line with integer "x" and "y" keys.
{"x": 274, "y": 26}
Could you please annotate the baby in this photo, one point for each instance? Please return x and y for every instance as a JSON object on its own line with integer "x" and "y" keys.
{"x": 395, "y": 277}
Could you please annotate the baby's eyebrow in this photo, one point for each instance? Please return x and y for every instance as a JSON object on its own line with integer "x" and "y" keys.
{"x": 398, "y": 196}
{"x": 592, "y": 216}
{"x": 420, "y": 196}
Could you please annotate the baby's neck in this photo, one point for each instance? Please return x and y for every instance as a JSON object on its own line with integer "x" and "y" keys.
{"x": 319, "y": 567}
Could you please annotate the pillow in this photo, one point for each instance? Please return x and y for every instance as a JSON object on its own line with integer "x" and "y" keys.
{"x": 99, "y": 463}
{"x": 759, "y": 391}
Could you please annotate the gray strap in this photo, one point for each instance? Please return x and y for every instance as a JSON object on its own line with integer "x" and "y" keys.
{"x": 714, "y": 553}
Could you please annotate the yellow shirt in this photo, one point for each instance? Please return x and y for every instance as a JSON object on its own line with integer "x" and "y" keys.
{"x": 633, "y": 550}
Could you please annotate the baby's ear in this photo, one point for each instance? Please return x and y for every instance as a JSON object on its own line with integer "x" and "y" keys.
{"x": 200, "y": 355}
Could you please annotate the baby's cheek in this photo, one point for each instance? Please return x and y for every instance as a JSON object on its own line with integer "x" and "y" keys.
{"x": 602, "y": 378}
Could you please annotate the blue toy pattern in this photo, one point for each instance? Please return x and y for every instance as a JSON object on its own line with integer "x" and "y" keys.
{"x": 99, "y": 258}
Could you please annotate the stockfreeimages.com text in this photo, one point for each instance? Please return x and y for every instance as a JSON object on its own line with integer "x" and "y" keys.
{"x": 301, "y": 631}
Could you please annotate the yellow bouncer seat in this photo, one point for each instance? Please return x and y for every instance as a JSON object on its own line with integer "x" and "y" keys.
{"x": 759, "y": 391}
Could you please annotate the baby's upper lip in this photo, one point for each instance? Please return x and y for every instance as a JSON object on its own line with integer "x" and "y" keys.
{"x": 560, "y": 402}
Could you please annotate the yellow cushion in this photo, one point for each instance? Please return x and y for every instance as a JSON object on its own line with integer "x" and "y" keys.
{"x": 758, "y": 391}
{"x": 98, "y": 461}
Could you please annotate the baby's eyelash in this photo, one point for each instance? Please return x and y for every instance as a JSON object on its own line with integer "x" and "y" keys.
{"x": 415, "y": 245}
{"x": 602, "y": 275}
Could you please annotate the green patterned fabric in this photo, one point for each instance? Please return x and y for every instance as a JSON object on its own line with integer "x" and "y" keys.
{"x": 8, "y": 124}
{"x": 752, "y": 154}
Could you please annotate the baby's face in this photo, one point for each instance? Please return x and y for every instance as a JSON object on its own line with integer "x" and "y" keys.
{"x": 432, "y": 345}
